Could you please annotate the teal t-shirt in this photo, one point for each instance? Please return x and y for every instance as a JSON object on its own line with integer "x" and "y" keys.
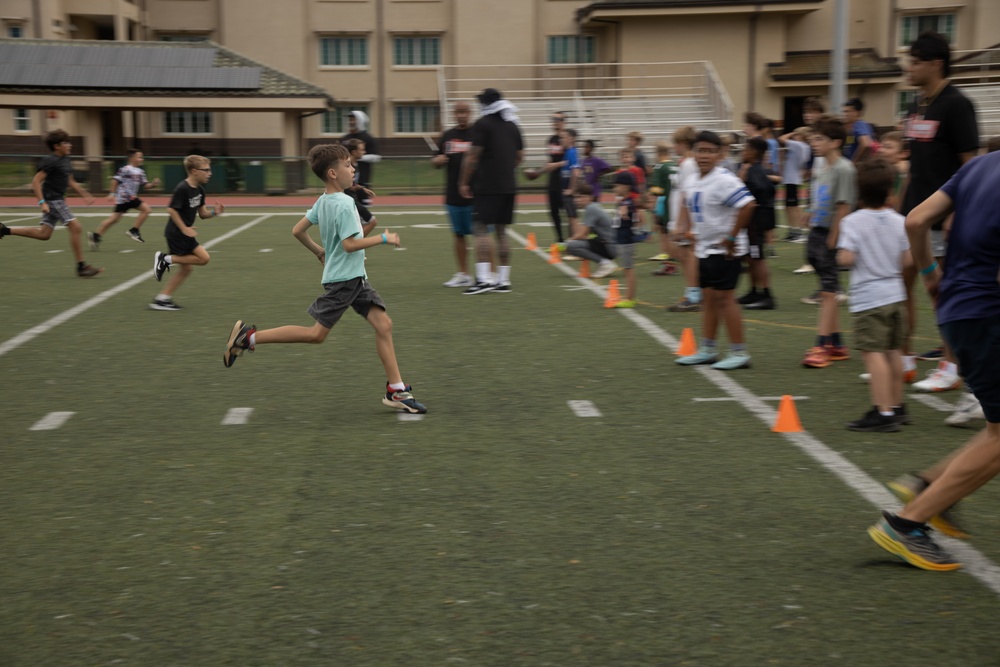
{"x": 338, "y": 219}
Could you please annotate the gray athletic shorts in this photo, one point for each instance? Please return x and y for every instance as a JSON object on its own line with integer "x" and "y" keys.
{"x": 356, "y": 293}
{"x": 626, "y": 255}
{"x": 59, "y": 213}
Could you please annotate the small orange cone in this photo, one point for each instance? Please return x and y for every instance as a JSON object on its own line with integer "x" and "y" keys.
{"x": 788, "y": 417}
{"x": 532, "y": 242}
{"x": 613, "y": 296}
{"x": 554, "y": 255}
{"x": 688, "y": 346}
{"x": 585, "y": 269}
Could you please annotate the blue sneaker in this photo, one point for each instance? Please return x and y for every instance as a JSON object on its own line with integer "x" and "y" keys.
{"x": 733, "y": 361}
{"x": 403, "y": 400}
{"x": 699, "y": 357}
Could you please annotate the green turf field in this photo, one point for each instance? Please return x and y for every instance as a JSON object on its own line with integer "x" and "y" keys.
{"x": 501, "y": 529}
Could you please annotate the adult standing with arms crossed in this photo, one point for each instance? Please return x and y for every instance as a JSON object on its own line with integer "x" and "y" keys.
{"x": 488, "y": 177}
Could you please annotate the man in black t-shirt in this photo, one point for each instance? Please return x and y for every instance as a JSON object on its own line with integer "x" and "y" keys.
{"x": 497, "y": 150}
{"x": 452, "y": 147}
{"x": 53, "y": 178}
{"x": 942, "y": 135}
{"x": 357, "y": 126}
{"x": 186, "y": 204}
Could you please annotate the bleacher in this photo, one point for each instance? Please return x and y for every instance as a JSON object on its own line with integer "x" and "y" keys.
{"x": 986, "y": 98}
{"x": 601, "y": 102}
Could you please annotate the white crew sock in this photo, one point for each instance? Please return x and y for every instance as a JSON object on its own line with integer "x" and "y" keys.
{"x": 253, "y": 339}
{"x": 397, "y": 387}
{"x": 504, "y": 276}
{"x": 169, "y": 259}
{"x": 949, "y": 367}
{"x": 484, "y": 272}
{"x": 909, "y": 362}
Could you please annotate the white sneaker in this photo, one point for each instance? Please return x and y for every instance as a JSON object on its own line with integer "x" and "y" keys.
{"x": 604, "y": 269}
{"x": 938, "y": 380}
{"x": 804, "y": 269}
{"x": 460, "y": 280}
{"x": 967, "y": 409}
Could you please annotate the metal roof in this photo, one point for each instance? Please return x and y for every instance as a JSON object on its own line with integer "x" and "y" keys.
{"x": 177, "y": 69}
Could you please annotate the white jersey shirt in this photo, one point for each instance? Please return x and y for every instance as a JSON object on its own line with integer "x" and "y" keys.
{"x": 713, "y": 201}
{"x": 130, "y": 181}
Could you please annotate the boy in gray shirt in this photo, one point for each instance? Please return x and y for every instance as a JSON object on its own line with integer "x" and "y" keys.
{"x": 833, "y": 193}
{"x": 594, "y": 239}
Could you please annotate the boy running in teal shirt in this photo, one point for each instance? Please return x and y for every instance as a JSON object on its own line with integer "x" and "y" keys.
{"x": 344, "y": 279}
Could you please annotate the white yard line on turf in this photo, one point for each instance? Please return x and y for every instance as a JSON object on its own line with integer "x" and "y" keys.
{"x": 65, "y": 316}
{"x": 51, "y": 421}
{"x": 973, "y": 562}
{"x": 237, "y": 416}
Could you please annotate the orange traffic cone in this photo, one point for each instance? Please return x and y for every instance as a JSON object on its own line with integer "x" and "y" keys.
{"x": 585, "y": 269}
{"x": 688, "y": 346}
{"x": 554, "y": 256}
{"x": 613, "y": 296}
{"x": 788, "y": 417}
{"x": 532, "y": 242}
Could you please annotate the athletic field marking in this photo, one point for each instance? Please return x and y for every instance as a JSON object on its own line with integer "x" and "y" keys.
{"x": 973, "y": 562}
{"x": 267, "y": 250}
{"x": 9, "y": 223}
{"x": 51, "y": 421}
{"x": 52, "y": 252}
{"x": 584, "y": 409}
{"x": 408, "y": 416}
{"x": 763, "y": 398}
{"x": 237, "y": 416}
{"x": 126, "y": 251}
{"x": 65, "y": 316}
{"x": 933, "y": 402}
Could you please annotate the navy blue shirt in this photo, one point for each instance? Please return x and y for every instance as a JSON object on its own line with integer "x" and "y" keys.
{"x": 970, "y": 287}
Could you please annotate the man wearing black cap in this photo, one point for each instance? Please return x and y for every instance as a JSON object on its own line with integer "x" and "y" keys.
{"x": 488, "y": 176}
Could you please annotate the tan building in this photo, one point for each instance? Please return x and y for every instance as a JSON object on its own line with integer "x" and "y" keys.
{"x": 402, "y": 60}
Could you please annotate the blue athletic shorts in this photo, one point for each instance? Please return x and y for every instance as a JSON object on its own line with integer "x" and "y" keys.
{"x": 461, "y": 219}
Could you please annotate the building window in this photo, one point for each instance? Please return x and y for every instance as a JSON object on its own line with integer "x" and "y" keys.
{"x": 22, "y": 120}
{"x": 187, "y": 122}
{"x": 571, "y": 49}
{"x": 904, "y": 98}
{"x": 335, "y": 122}
{"x": 912, "y": 26}
{"x": 416, "y": 51}
{"x": 343, "y": 51}
{"x": 15, "y": 31}
{"x": 422, "y": 118}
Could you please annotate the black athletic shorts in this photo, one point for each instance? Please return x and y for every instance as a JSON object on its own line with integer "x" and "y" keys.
{"x": 493, "y": 210}
{"x": 976, "y": 344}
{"x": 823, "y": 259}
{"x": 128, "y": 206}
{"x": 179, "y": 244}
{"x": 791, "y": 194}
{"x": 719, "y": 272}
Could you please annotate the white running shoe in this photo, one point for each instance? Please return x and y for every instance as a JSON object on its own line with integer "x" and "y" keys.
{"x": 604, "y": 269}
{"x": 460, "y": 280}
{"x": 804, "y": 269}
{"x": 967, "y": 409}
{"x": 938, "y": 380}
